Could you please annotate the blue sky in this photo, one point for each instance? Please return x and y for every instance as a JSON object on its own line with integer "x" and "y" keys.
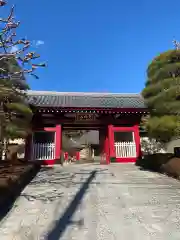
{"x": 97, "y": 45}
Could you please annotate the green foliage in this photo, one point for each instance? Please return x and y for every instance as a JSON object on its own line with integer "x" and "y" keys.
{"x": 162, "y": 128}
{"x": 161, "y": 94}
{"x": 20, "y": 108}
{"x": 14, "y": 131}
{"x": 15, "y": 114}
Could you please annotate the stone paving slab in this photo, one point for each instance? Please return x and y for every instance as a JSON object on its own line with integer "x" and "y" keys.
{"x": 85, "y": 202}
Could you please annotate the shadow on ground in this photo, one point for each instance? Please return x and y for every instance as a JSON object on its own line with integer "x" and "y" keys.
{"x": 57, "y": 182}
{"x": 65, "y": 219}
{"x": 13, "y": 189}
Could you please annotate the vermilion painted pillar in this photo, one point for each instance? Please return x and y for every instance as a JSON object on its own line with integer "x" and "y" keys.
{"x": 58, "y": 132}
{"x": 77, "y": 156}
{"x": 106, "y": 146}
{"x": 138, "y": 141}
{"x": 102, "y": 145}
{"x": 112, "y": 154}
{"x": 66, "y": 155}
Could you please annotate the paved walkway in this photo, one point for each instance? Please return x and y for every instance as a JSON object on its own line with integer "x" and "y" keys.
{"x": 93, "y": 202}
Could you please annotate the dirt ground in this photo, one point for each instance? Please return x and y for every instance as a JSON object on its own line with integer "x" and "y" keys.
{"x": 11, "y": 177}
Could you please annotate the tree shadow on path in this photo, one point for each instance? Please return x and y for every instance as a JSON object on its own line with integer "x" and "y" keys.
{"x": 61, "y": 224}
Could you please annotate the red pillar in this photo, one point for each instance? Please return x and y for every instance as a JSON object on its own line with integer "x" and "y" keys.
{"x": 102, "y": 146}
{"x": 66, "y": 155}
{"x": 112, "y": 154}
{"x": 106, "y": 148}
{"x": 58, "y": 132}
{"x": 77, "y": 156}
{"x": 138, "y": 141}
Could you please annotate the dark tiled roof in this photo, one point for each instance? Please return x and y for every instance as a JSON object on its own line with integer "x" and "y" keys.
{"x": 85, "y": 100}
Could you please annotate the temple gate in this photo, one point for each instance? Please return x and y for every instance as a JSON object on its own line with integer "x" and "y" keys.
{"x": 115, "y": 116}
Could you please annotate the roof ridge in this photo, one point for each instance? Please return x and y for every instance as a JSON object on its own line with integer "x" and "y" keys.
{"x": 33, "y": 92}
{"x": 72, "y": 99}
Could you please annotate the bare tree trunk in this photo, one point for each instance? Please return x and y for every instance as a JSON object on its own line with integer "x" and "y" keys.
{"x": 1, "y": 130}
{"x": 1, "y": 124}
{"x": 4, "y": 149}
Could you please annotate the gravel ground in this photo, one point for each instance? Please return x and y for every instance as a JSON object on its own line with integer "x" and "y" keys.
{"x": 91, "y": 201}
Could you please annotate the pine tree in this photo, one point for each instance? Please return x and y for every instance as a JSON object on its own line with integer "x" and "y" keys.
{"x": 162, "y": 96}
{"x": 15, "y": 113}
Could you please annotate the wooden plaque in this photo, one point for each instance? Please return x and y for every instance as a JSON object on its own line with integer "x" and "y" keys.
{"x": 85, "y": 117}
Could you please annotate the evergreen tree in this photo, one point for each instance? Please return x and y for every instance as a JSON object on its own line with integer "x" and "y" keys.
{"x": 162, "y": 96}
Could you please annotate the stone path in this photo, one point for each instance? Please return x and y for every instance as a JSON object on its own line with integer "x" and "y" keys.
{"x": 94, "y": 202}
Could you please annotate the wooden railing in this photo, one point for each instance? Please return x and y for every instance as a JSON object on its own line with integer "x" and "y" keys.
{"x": 125, "y": 149}
{"x": 43, "y": 151}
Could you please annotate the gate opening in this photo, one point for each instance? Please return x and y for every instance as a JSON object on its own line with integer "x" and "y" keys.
{"x": 81, "y": 145}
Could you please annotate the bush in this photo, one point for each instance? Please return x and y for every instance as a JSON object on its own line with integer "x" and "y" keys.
{"x": 172, "y": 167}
{"x": 154, "y": 162}
{"x": 161, "y": 162}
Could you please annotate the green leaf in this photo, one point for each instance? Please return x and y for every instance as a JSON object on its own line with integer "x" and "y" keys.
{"x": 20, "y": 108}
{"x": 161, "y": 93}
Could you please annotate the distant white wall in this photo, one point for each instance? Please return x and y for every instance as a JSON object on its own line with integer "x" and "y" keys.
{"x": 172, "y": 144}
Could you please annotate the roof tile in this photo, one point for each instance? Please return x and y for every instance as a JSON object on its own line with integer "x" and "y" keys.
{"x": 85, "y": 100}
